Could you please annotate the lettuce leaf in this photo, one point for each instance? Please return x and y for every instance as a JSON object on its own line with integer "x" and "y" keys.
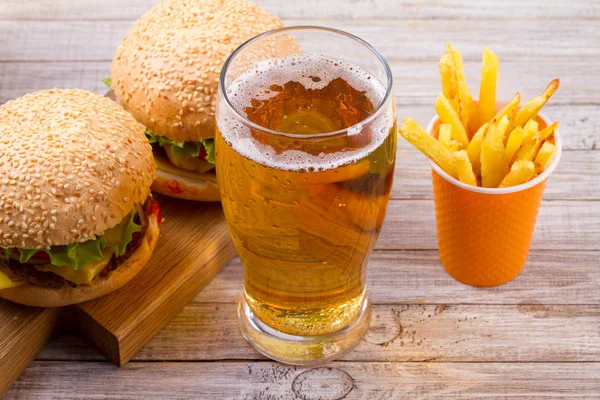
{"x": 107, "y": 82}
{"x": 209, "y": 146}
{"x": 77, "y": 255}
{"x": 185, "y": 149}
{"x": 129, "y": 228}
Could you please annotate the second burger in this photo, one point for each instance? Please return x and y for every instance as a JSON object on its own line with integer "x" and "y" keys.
{"x": 166, "y": 73}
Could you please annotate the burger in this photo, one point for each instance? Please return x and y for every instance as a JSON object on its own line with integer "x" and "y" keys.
{"x": 76, "y": 217}
{"x": 165, "y": 73}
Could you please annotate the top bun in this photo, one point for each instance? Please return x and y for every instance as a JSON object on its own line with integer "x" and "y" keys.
{"x": 166, "y": 70}
{"x": 72, "y": 165}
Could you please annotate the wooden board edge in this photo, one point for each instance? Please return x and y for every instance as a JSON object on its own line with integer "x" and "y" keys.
{"x": 120, "y": 346}
{"x": 171, "y": 308}
{"x": 95, "y": 333}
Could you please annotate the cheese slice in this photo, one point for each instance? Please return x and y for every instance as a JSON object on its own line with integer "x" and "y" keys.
{"x": 6, "y": 283}
{"x": 84, "y": 275}
{"x": 166, "y": 166}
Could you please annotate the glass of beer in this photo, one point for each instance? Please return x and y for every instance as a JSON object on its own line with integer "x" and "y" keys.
{"x": 305, "y": 153}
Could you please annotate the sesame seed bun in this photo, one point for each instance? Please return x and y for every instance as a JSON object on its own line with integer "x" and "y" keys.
{"x": 166, "y": 70}
{"x": 72, "y": 165}
{"x": 37, "y": 296}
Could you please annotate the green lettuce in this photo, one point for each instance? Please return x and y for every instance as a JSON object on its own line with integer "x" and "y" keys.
{"x": 77, "y": 255}
{"x": 185, "y": 149}
{"x": 107, "y": 82}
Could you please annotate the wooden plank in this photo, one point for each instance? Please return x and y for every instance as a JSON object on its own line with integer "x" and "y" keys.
{"x": 530, "y": 331}
{"x": 404, "y": 277}
{"x": 569, "y": 40}
{"x": 416, "y": 84}
{"x": 194, "y": 246}
{"x": 347, "y": 380}
{"x": 409, "y": 332}
{"x": 561, "y": 225}
{"x": 316, "y": 9}
{"x": 23, "y": 333}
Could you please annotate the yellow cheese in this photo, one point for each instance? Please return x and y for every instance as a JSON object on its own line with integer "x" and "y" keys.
{"x": 84, "y": 275}
{"x": 166, "y": 166}
{"x": 6, "y": 283}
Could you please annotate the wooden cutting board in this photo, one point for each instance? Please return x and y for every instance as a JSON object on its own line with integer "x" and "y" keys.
{"x": 194, "y": 245}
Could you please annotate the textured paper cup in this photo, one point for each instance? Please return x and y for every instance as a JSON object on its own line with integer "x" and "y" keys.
{"x": 484, "y": 234}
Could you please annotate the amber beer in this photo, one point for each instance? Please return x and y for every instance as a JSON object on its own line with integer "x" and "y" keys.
{"x": 305, "y": 207}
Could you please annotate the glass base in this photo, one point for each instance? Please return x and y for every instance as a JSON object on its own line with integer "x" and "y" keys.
{"x": 302, "y": 350}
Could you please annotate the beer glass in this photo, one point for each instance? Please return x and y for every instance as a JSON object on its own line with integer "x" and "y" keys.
{"x": 305, "y": 153}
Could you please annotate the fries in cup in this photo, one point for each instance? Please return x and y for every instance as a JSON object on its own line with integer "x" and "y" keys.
{"x": 478, "y": 144}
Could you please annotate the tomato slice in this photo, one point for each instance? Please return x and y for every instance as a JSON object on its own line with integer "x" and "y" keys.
{"x": 39, "y": 257}
{"x": 202, "y": 155}
{"x": 154, "y": 209}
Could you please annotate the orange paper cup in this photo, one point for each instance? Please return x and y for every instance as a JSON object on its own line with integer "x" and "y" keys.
{"x": 484, "y": 234}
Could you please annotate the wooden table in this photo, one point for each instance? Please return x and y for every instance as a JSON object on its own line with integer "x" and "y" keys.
{"x": 431, "y": 337}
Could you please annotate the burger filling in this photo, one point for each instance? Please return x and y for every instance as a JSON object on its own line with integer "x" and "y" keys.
{"x": 77, "y": 263}
{"x": 196, "y": 157}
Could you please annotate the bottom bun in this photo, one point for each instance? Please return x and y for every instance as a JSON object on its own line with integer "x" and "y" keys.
{"x": 36, "y": 296}
{"x": 183, "y": 187}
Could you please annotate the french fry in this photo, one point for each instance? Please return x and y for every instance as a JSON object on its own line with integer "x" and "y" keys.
{"x": 515, "y": 139}
{"x": 428, "y": 145}
{"x": 548, "y": 131}
{"x": 529, "y": 150}
{"x": 532, "y": 107}
{"x": 449, "y": 116}
{"x": 487, "y": 88}
{"x": 468, "y": 107}
{"x": 544, "y": 157}
{"x": 494, "y": 165}
{"x": 510, "y": 111}
{"x": 464, "y": 168}
{"x": 502, "y": 127}
{"x": 455, "y": 146}
{"x": 445, "y": 135}
{"x": 507, "y": 147}
{"x": 474, "y": 149}
{"x": 448, "y": 79}
{"x": 520, "y": 172}
{"x": 530, "y": 131}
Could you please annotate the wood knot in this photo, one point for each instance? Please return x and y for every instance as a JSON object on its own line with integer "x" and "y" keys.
{"x": 533, "y": 308}
{"x": 384, "y": 329}
{"x": 322, "y": 384}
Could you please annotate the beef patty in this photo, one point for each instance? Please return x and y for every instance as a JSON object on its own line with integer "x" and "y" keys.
{"x": 17, "y": 271}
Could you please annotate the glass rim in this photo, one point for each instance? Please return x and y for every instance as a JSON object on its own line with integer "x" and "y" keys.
{"x": 378, "y": 110}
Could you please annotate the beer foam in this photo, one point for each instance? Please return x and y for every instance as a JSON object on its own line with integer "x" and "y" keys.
{"x": 302, "y": 68}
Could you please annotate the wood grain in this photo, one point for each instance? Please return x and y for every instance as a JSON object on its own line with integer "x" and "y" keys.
{"x": 409, "y": 277}
{"x": 317, "y": 10}
{"x": 405, "y": 40}
{"x": 23, "y": 333}
{"x": 347, "y": 380}
{"x": 548, "y": 313}
{"x": 416, "y": 83}
{"x": 193, "y": 248}
{"x": 530, "y": 331}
